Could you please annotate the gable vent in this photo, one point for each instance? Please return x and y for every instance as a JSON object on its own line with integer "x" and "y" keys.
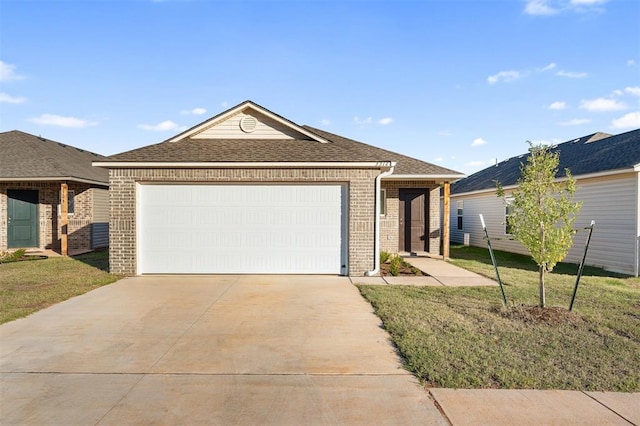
{"x": 248, "y": 124}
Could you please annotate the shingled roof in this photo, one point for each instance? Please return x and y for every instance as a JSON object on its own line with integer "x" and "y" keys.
{"x": 595, "y": 153}
{"x": 311, "y": 145}
{"x": 25, "y": 156}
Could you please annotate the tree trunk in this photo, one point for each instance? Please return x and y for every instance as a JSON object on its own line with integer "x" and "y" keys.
{"x": 542, "y": 266}
{"x": 542, "y": 298}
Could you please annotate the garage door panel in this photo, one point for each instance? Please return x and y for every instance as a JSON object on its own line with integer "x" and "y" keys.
{"x": 241, "y": 228}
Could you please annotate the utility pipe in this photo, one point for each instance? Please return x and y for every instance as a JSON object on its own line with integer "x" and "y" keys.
{"x": 376, "y": 231}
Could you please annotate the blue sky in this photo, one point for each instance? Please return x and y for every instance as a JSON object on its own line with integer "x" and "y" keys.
{"x": 452, "y": 82}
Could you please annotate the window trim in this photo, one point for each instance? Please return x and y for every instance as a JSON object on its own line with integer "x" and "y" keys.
{"x": 507, "y": 207}
{"x": 460, "y": 215}
{"x": 382, "y": 208}
{"x": 71, "y": 203}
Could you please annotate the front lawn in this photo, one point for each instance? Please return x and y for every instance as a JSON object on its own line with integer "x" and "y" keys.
{"x": 28, "y": 286}
{"x": 462, "y": 337}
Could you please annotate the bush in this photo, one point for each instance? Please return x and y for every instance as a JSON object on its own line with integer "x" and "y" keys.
{"x": 384, "y": 256}
{"x": 6, "y": 256}
{"x": 394, "y": 267}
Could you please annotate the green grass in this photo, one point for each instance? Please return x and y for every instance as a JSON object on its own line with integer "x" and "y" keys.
{"x": 463, "y": 338}
{"x": 28, "y": 286}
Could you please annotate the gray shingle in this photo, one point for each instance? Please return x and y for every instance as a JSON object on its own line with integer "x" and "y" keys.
{"x": 589, "y": 154}
{"x": 25, "y": 156}
{"x": 339, "y": 149}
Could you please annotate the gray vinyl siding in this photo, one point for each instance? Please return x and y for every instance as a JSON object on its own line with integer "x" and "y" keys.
{"x": 100, "y": 205}
{"x": 611, "y": 201}
{"x": 100, "y": 219}
{"x": 99, "y": 235}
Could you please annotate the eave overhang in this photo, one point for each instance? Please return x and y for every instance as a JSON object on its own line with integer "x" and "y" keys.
{"x": 53, "y": 179}
{"x": 384, "y": 165}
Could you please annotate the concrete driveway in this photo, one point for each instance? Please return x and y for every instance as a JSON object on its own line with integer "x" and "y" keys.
{"x": 208, "y": 350}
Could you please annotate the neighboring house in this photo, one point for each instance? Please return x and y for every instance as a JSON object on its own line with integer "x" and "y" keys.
{"x": 607, "y": 171}
{"x": 249, "y": 191}
{"x": 35, "y": 174}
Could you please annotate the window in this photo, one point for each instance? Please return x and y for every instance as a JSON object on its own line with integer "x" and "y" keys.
{"x": 508, "y": 211}
{"x": 460, "y": 214}
{"x": 70, "y": 203}
{"x": 383, "y": 202}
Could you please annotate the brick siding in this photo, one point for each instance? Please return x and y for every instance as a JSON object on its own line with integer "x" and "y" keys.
{"x": 122, "y": 205}
{"x": 49, "y": 229}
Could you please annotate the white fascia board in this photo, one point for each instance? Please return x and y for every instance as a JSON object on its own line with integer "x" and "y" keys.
{"x": 578, "y": 178}
{"x": 245, "y": 165}
{"x": 54, "y": 179}
{"x": 240, "y": 108}
{"x": 425, "y": 177}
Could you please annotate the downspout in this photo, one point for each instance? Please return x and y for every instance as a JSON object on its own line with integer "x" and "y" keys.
{"x": 376, "y": 231}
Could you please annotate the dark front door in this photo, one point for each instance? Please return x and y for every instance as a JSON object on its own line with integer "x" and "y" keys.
{"x": 22, "y": 215}
{"x": 413, "y": 220}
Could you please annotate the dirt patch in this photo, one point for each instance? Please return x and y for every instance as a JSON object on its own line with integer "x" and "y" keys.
{"x": 405, "y": 270}
{"x": 554, "y": 315}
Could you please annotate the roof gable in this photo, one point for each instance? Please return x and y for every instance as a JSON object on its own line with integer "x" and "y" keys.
{"x": 220, "y": 142}
{"x": 248, "y": 120}
{"x": 25, "y": 156}
{"x": 595, "y": 153}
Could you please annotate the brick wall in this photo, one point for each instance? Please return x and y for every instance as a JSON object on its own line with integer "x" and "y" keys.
{"x": 122, "y": 205}
{"x": 49, "y": 229}
{"x": 389, "y": 223}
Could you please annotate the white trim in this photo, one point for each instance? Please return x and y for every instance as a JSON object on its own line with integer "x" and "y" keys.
{"x": 376, "y": 231}
{"x": 562, "y": 179}
{"x": 425, "y": 177}
{"x": 54, "y": 179}
{"x": 245, "y": 165}
{"x": 239, "y": 108}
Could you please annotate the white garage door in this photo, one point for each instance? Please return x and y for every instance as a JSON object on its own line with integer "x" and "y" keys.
{"x": 241, "y": 229}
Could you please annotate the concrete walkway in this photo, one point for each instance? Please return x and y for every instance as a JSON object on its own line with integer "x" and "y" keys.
{"x": 439, "y": 273}
{"x": 472, "y": 407}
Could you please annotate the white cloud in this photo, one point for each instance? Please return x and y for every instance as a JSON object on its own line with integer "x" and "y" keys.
{"x": 631, "y": 63}
{"x": 558, "y": 105}
{"x": 554, "y": 7}
{"x": 163, "y": 126}
{"x": 630, "y": 120}
{"x": 505, "y": 76}
{"x": 548, "y": 67}
{"x": 8, "y": 73}
{"x": 587, "y": 2}
{"x": 635, "y": 91}
{"x": 475, "y": 163}
{"x": 62, "y": 121}
{"x": 540, "y": 7}
{"x": 575, "y": 122}
{"x": 194, "y": 111}
{"x": 571, "y": 74}
{"x": 358, "y": 120}
{"x": 224, "y": 104}
{"x": 478, "y": 142}
{"x": 8, "y": 99}
{"x": 385, "y": 121}
{"x": 438, "y": 159}
{"x": 325, "y": 122}
{"x": 602, "y": 105}
{"x": 617, "y": 92}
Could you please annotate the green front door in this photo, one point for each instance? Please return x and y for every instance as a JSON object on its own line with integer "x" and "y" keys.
{"x": 22, "y": 215}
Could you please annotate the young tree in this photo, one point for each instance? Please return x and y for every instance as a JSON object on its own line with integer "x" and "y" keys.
{"x": 542, "y": 211}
